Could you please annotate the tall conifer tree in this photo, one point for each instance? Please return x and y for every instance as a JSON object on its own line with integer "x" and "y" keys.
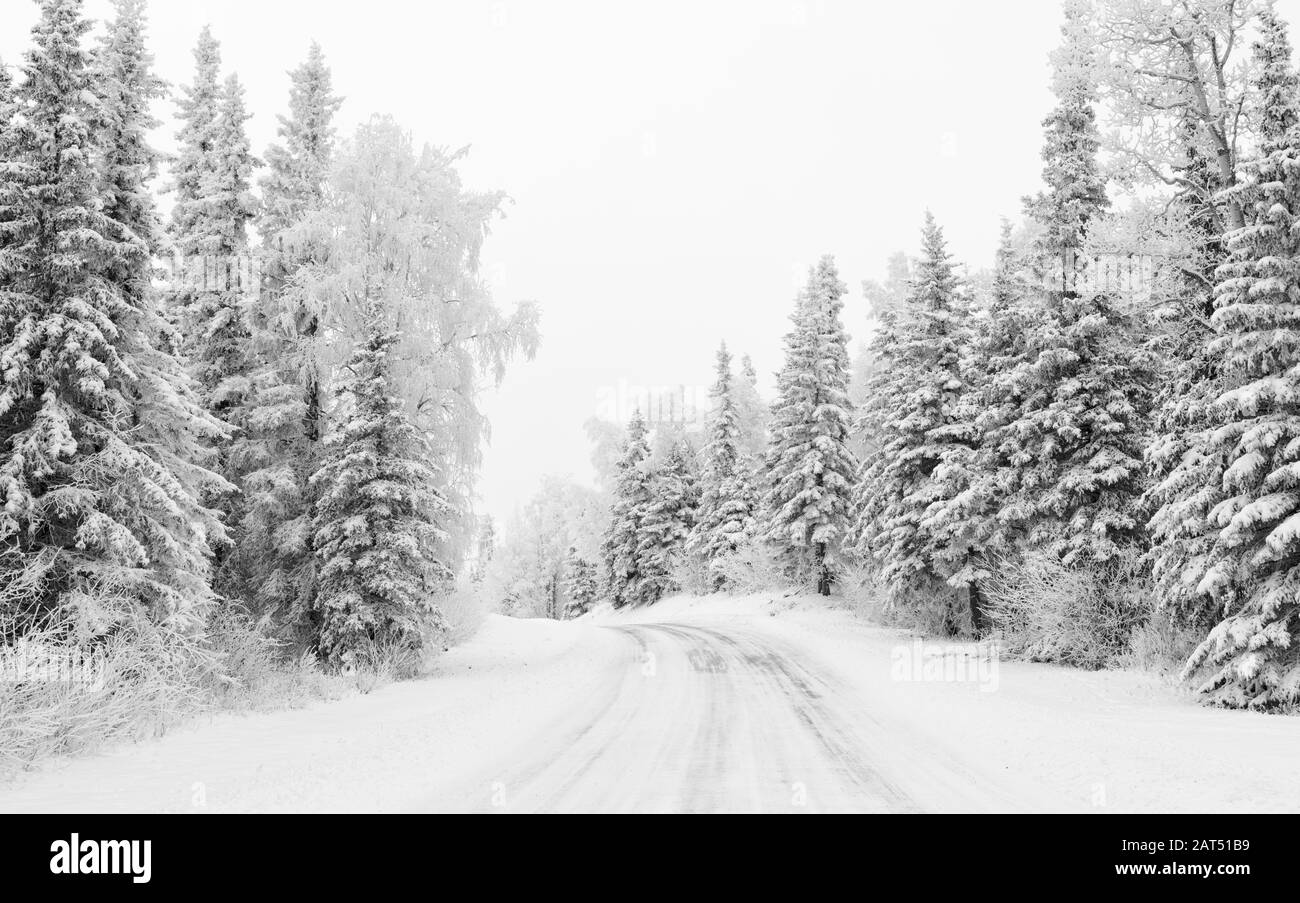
{"x": 810, "y": 467}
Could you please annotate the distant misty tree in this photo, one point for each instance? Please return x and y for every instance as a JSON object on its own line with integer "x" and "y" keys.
{"x": 752, "y": 413}
{"x": 485, "y": 548}
{"x": 533, "y": 561}
{"x": 882, "y": 298}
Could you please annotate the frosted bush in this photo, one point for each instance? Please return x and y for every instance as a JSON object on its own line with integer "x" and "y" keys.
{"x": 1048, "y": 612}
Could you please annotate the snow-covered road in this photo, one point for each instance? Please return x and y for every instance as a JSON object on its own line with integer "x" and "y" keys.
{"x": 756, "y": 704}
{"x": 721, "y": 718}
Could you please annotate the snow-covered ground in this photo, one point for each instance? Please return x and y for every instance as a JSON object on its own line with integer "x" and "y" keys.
{"x": 758, "y": 703}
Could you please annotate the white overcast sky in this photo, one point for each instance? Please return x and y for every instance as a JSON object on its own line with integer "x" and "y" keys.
{"x": 675, "y": 166}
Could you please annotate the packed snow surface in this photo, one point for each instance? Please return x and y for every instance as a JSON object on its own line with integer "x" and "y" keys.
{"x": 761, "y": 703}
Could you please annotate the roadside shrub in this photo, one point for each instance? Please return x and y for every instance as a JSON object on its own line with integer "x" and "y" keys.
{"x": 1162, "y": 645}
{"x": 861, "y": 592}
{"x": 692, "y": 577}
{"x": 751, "y": 569}
{"x": 61, "y": 694}
{"x": 929, "y": 606}
{"x": 1047, "y": 612}
{"x": 255, "y": 670}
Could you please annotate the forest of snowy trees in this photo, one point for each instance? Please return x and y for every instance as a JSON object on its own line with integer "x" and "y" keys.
{"x": 239, "y": 437}
{"x": 1089, "y": 448}
{"x": 280, "y": 464}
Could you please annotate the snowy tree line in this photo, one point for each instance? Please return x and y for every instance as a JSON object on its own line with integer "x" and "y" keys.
{"x": 1147, "y": 441}
{"x": 169, "y": 454}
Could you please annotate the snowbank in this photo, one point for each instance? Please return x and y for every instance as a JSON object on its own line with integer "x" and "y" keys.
{"x": 363, "y": 754}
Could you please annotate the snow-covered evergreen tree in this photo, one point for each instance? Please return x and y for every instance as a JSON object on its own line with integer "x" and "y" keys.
{"x": 99, "y": 468}
{"x": 298, "y": 166}
{"x": 883, "y": 300}
{"x": 725, "y": 515}
{"x": 921, "y": 460}
{"x": 196, "y": 140}
{"x": 581, "y": 588}
{"x": 1186, "y": 481}
{"x": 378, "y": 514}
{"x": 1069, "y": 459}
{"x": 1252, "y": 455}
{"x": 217, "y": 335}
{"x": 6, "y": 102}
{"x": 281, "y": 419}
{"x": 665, "y": 524}
{"x": 632, "y": 496}
{"x": 810, "y": 467}
{"x": 1076, "y": 190}
{"x": 214, "y": 205}
{"x": 7, "y": 111}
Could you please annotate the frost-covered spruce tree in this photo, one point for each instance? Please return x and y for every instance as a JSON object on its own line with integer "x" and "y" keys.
{"x": 6, "y": 102}
{"x": 1076, "y": 189}
{"x": 98, "y": 481}
{"x": 7, "y": 110}
{"x": 279, "y": 446}
{"x": 725, "y": 515}
{"x": 1252, "y": 657}
{"x": 922, "y": 455}
{"x": 217, "y": 334}
{"x": 298, "y": 166}
{"x": 196, "y": 139}
{"x": 810, "y": 468}
{"x": 580, "y": 585}
{"x": 1072, "y": 469}
{"x": 968, "y": 525}
{"x": 665, "y": 525}
{"x": 214, "y": 206}
{"x": 1186, "y": 482}
{"x": 378, "y": 514}
{"x": 169, "y": 421}
{"x": 632, "y": 496}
